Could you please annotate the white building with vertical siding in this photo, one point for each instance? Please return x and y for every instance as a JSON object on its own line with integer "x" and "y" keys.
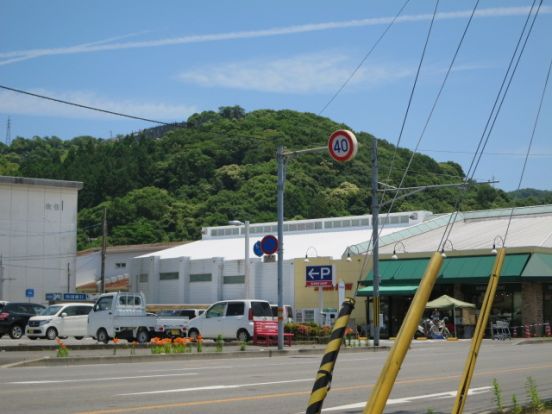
{"x": 213, "y": 268}
{"x": 38, "y": 237}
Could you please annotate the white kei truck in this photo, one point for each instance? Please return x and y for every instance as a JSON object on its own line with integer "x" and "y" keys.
{"x": 123, "y": 315}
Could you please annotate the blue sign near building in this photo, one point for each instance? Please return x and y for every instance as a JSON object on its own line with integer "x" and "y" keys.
{"x": 50, "y": 297}
{"x": 74, "y": 296}
{"x": 319, "y": 276}
{"x": 29, "y": 293}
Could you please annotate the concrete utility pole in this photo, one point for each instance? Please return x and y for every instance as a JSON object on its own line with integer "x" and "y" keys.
{"x": 104, "y": 248}
{"x": 375, "y": 244}
{"x": 68, "y": 278}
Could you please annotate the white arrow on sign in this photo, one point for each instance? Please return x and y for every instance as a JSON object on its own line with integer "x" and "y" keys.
{"x": 313, "y": 272}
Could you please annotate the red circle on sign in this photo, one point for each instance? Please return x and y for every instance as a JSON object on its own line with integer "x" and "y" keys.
{"x": 269, "y": 244}
{"x": 342, "y": 145}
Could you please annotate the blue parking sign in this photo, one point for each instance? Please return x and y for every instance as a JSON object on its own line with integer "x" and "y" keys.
{"x": 319, "y": 276}
{"x": 29, "y": 293}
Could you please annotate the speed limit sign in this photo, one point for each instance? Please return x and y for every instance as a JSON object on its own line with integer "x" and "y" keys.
{"x": 342, "y": 145}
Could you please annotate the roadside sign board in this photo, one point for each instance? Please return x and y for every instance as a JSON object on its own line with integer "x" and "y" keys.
{"x": 53, "y": 296}
{"x": 342, "y": 145}
{"x": 269, "y": 244}
{"x": 319, "y": 276}
{"x": 257, "y": 249}
{"x": 29, "y": 293}
{"x": 74, "y": 296}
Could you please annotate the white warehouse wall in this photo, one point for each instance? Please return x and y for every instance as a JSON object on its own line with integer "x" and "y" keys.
{"x": 38, "y": 237}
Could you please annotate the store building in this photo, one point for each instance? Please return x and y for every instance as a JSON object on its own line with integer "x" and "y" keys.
{"x": 524, "y": 294}
{"x": 213, "y": 268}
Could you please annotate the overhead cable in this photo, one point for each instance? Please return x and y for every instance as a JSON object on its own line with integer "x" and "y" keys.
{"x": 353, "y": 73}
{"x": 493, "y": 115}
{"x": 405, "y": 117}
{"x": 92, "y": 108}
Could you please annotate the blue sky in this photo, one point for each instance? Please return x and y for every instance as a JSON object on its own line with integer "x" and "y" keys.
{"x": 167, "y": 60}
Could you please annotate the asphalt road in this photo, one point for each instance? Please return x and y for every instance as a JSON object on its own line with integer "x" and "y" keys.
{"x": 427, "y": 381}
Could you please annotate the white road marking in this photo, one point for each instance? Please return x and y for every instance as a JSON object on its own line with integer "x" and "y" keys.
{"x": 215, "y": 387}
{"x": 101, "y": 379}
{"x": 437, "y": 396}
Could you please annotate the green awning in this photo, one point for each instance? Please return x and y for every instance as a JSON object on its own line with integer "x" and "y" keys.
{"x": 538, "y": 267}
{"x": 475, "y": 269}
{"x": 388, "y": 290}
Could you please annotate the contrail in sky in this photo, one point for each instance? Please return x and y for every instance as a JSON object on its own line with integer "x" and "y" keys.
{"x": 20, "y": 55}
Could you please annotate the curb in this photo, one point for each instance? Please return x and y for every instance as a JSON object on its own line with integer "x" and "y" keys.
{"x": 115, "y": 359}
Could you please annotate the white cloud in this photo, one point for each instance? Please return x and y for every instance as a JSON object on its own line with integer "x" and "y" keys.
{"x": 15, "y": 103}
{"x": 19, "y": 55}
{"x": 300, "y": 74}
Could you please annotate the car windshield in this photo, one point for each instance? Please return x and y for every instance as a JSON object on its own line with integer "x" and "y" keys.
{"x": 51, "y": 310}
{"x": 1, "y": 307}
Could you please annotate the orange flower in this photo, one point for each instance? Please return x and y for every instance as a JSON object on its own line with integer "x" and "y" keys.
{"x": 155, "y": 340}
{"x": 116, "y": 340}
{"x": 182, "y": 341}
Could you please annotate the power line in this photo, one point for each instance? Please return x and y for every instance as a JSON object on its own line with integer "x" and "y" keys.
{"x": 376, "y": 43}
{"x": 92, "y": 108}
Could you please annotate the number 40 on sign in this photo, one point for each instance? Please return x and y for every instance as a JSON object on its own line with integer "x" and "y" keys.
{"x": 342, "y": 145}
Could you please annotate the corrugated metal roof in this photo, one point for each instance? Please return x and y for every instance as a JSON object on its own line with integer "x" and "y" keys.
{"x": 530, "y": 227}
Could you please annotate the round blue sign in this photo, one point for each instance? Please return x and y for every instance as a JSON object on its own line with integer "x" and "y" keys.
{"x": 257, "y": 249}
{"x": 269, "y": 244}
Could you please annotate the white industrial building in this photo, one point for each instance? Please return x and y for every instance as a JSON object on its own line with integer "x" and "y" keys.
{"x": 116, "y": 264}
{"x": 38, "y": 237}
{"x": 213, "y": 268}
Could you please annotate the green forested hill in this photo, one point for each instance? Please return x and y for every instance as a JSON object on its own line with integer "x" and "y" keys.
{"x": 166, "y": 183}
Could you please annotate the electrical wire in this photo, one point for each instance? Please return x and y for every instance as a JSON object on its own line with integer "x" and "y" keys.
{"x": 493, "y": 115}
{"x": 435, "y": 101}
{"x": 413, "y": 90}
{"x": 537, "y": 117}
{"x": 376, "y": 43}
{"x": 92, "y": 108}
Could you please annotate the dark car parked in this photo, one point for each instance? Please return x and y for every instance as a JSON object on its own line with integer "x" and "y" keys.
{"x": 14, "y": 317}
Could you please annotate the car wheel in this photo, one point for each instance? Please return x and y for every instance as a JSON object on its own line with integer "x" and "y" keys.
{"x": 51, "y": 334}
{"x": 16, "y": 332}
{"x": 243, "y": 335}
{"x": 102, "y": 336}
{"x": 142, "y": 336}
{"x": 78, "y": 338}
{"x": 193, "y": 334}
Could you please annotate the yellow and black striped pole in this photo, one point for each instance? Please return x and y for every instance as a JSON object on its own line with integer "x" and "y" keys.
{"x": 324, "y": 375}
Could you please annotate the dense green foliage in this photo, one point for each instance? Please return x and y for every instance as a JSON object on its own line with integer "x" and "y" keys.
{"x": 168, "y": 182}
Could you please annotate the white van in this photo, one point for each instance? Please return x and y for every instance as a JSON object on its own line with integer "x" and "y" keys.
{"x": 60, "y": 320}
{"x": 230, "y": 318}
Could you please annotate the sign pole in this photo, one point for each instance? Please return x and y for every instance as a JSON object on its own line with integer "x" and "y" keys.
{"x": 280, "y": 157}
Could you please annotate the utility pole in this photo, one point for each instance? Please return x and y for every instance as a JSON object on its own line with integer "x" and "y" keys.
{"x": 104, "y": 248}
{"x": 375, "y": 244}
{"x": 68, "y": 279}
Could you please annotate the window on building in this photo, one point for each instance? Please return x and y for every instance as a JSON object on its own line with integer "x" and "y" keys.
{"x": 120, "y": 265}
{"x": 233, "y": 280}
{"x": 168, "y": 276}
{"x": 201, "y": 277}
